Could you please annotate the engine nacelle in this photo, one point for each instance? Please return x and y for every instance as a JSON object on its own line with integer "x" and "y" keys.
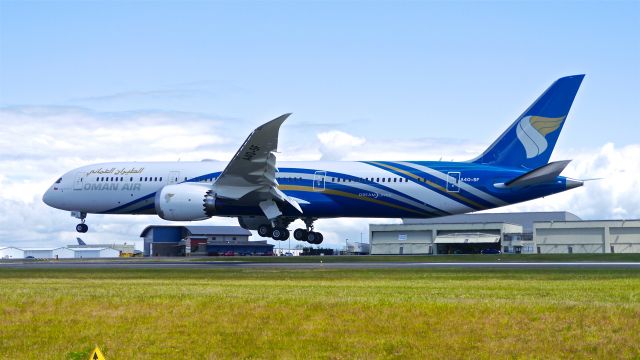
{"x": 185, "y": 202}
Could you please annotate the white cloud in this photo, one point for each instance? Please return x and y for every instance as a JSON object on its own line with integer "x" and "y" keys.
{"x": 615, "y": 196}
{"x": 37, "y": 144}
{"x": 334, "y": 144}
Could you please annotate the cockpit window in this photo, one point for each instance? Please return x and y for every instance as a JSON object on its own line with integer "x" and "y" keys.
{"x": 59, "y": 181}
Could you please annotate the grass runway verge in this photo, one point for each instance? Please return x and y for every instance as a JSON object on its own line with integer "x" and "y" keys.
{"x": 320, "y": 313}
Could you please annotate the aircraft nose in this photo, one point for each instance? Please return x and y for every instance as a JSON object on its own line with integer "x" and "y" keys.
{"x": 46, "y": 198}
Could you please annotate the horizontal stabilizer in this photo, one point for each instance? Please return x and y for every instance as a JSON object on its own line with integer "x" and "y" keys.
{"x": 543, "y": 174}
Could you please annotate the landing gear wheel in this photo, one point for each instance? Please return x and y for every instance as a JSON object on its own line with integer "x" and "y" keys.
{"x": 82, "y": 228}
{"x": 300, "y": 234}
{"x": 265, "y": 231}
{"x": 280, "y": 234}
{"x": 314, "y": 238}
{"x": 311, "y": 237}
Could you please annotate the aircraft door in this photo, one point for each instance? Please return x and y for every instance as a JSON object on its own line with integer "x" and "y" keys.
{"x": 453, "y": 181}
{"x": 173, "y": 177}
{"x": 79, "y": 181}
{"x": 318, "y": 180}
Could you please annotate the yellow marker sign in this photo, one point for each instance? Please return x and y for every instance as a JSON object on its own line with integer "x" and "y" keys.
{"x": 96, "y": 355}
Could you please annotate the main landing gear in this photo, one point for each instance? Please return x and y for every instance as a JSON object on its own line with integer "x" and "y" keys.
{"x": 82, "y": 227}
{"x": 311, "y": 237}
{"x": 276, "y": 233}
{"x": 280, "y": 232}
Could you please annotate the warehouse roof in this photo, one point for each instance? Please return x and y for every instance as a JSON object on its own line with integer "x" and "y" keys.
{"x": 526, "y": 219}
{"x": 218, "y": 230}
{"x": 203, "y": 230}
{"x": 90, "y": 249}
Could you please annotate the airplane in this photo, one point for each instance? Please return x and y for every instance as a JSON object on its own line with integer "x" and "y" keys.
{"x": 267, "y": 196}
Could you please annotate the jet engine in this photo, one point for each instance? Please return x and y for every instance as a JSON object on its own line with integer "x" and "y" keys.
{"x": 185, "y": 202}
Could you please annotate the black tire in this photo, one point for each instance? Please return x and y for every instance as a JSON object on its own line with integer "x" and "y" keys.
{"x": 265, "y": 231}
{"x": 82, "y": 228}
{"x": 300, "y": 234}
{"x": 285, "y": 234}
{"x": 311, "y": 237}
{"x": 319, "y": 239}
{"x": 278, "y": 234}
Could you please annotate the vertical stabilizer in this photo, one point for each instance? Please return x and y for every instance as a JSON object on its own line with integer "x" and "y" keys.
{"x": 529, "y": 141}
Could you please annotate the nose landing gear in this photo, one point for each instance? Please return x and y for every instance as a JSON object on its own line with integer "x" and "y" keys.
{"x": 82, "y": 227}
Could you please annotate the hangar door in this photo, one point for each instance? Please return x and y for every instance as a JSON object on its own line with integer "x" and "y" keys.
{"x": 466, "y": 243}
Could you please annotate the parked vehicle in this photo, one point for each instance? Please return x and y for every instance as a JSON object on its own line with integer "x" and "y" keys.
{"x": 490, "y": 251}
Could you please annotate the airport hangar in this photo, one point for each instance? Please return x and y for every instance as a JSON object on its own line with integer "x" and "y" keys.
{"x": 526, "y": 233}
{"x": 172, "y": 240}
{"x": 68, "y": 252}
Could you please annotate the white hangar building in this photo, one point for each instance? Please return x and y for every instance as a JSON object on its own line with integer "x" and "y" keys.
{"x": 7, "y": 253}
{"x": 532, "y": 232}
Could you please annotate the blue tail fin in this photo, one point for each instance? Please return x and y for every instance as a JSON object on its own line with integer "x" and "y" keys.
{"x": 529, "y": 141}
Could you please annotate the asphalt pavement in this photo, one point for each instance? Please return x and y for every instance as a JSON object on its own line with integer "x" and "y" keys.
{"x": 146, "y": 264}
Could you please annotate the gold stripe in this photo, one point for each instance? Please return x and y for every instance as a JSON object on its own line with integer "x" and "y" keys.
{"x": 432, "y": 184}
{"x": 545, "y": 125}
{"x": 348, "y": 195}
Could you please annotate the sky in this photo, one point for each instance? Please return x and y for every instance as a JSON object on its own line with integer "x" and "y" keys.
{"x": 85, "y": 82}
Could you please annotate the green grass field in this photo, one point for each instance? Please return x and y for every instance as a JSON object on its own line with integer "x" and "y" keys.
{"x": 320, "y": 313}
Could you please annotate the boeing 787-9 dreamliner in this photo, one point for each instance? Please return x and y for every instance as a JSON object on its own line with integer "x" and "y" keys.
{"x": 267, "y": 196}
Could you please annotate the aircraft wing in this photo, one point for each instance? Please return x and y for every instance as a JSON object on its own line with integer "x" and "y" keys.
{"x": 251, "y": 173}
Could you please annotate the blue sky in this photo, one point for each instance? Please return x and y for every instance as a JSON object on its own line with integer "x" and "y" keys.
{"x": 84, "y": 82}
{"x": 368, "y": 66}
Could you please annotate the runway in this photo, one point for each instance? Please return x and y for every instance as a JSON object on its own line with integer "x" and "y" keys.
{"x": 143, "y": 264}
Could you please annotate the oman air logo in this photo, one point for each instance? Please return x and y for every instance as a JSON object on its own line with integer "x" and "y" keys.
{"x": 531, "y": 132}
